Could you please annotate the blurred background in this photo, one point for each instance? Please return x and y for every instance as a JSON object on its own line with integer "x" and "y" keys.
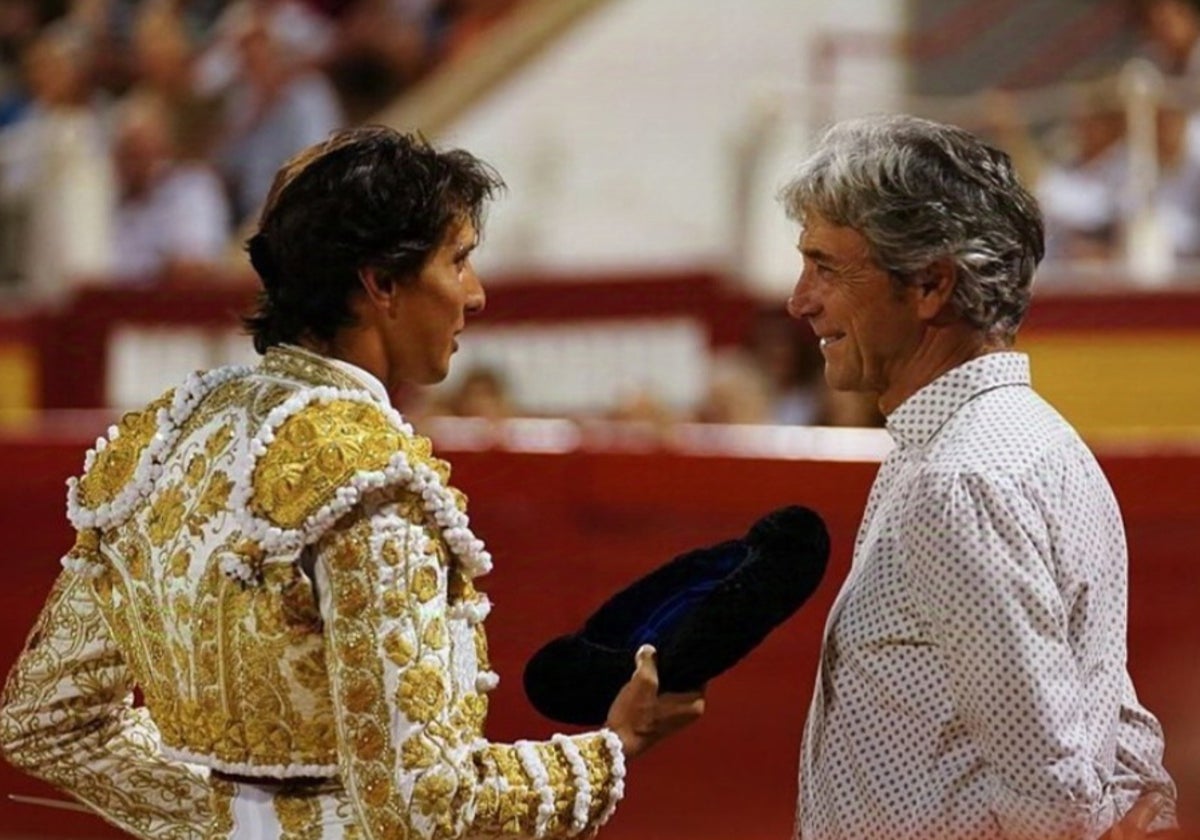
{"x": 634, "y": 387}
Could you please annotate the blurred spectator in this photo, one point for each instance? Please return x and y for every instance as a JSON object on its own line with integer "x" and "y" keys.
{"x": 281, "y": 107}
{"x": 382, "y": 48}
{"x": 1172, "y": 30}
{"x": 295, "y": 29}
{"x": 1081, "y": 196}
{"x": 483, "y": 393}
{"x": 738, "y": 391}
{"x": 789, "y": 357}
{"x": 172, "y": 218}
{"x": 20, "y": 22}
{"x": 1089, "y": 202}
{"x": 55, "y": 179}
{"x": 642, "y": 406}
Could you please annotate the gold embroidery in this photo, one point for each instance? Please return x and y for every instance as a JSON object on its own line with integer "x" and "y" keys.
{"x": 64, "y": 719}
{"x": 424, "y": 583}
{"x": 558, "y": 770}
{"x": 473, "y": 708}
{"x": 212, "y": 501}
{"x": 298, "y": 810}
{"x": 432, "y": 793}
{"x": 179, "y": 563}
{"x": 417, "y": 754}
{"x": 395, "y": 603}
{"x": 434, "y": 634}
{"x": 114, "y": 467}
{"x": 166, "y": 516}
{"x": 294, "y": 478}
{"x": 398, "y": 649}
{"x": 391, "y": 553}
{"x": 599, "y": 764}
{"x": 299, "y": 364}
{"x": 223, "y": 793}
{"x": 354, "y": 640}
{"x": 514, "y": 812}
{"x": 219, "y": 441}
{"x": 422, "y": 695}
{"x": 369, "y": 742}
{"x": 352, "y": 597}
{"x": 196, "y": 469}
{"x": 479, "y": 636}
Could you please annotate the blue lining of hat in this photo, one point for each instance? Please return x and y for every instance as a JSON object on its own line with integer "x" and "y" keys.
{"x": 672, "y": 610}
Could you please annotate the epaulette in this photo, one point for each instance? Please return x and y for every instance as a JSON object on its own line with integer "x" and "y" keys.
{"x": 121, "y": 469}
{"x": 315, "y": 457}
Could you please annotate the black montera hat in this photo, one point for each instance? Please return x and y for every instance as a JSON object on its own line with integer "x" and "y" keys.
{"x": 703, "y": 611}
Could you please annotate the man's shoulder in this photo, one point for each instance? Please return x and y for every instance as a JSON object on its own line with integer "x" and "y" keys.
{"x": 1004, "y": 432}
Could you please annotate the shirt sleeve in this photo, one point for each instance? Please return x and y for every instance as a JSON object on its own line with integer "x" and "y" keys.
{"x": 1139, "y": 760}
{"x": 982, "y": 561}
{"x": 409, "y": 703}
{"x": 67, "y": 717}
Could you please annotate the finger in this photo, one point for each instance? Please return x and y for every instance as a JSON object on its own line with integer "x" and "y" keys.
{"x": 1145, "y": 811}
{"x": 647, "y": 664}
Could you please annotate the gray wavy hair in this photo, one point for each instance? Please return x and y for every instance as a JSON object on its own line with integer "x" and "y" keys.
{"x": 919, "y": 192}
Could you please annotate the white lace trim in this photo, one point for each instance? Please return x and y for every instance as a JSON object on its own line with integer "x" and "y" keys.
{"x": 540, "y": 780}
{"x": 617, "y": 789}
{"x": 473, "y": 611}
{"x": 83, "y": 568}
{"x": 579, "y": 775}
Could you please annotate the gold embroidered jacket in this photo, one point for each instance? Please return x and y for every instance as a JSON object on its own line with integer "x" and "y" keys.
{"x": 277, "y": 562}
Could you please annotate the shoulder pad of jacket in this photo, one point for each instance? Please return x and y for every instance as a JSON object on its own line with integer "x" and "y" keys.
{"x": 316, "y": 453}
{"x": 116, "y": 463}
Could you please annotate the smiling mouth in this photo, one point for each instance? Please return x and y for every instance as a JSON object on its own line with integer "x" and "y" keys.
{"x": 828, "y": 340}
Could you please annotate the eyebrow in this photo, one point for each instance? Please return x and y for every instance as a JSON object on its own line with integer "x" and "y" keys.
{"x": 815, "y": 254}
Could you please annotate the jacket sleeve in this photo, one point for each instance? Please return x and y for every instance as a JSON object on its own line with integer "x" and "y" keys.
{"x": 67, "y": 717}
{"x": 404, "y": 652}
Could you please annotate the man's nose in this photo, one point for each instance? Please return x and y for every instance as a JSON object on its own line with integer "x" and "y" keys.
{"x": 800, "y": 303}
{"x": 476, "y": 296}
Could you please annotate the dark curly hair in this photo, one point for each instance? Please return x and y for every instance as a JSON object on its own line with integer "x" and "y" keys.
{"x": 367, "y": 197}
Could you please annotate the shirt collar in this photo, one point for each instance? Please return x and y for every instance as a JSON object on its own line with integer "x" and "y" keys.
{"x": 920, "y": 417}
{"x": 364, "y": 379}
{"x": 369, "y": 380}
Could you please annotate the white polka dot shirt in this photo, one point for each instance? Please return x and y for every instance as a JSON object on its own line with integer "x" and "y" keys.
{"x": 973, "y": 682}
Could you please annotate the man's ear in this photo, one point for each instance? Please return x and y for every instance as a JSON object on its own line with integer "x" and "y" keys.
{"x": 379, "y": 288}
{"x": 935, "y": 289}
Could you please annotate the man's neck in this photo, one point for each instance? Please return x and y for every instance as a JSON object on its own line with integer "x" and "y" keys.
{"x": 944, "y": 349}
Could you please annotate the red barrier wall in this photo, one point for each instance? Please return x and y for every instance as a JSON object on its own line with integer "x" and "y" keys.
{"x": 567, "y": 529}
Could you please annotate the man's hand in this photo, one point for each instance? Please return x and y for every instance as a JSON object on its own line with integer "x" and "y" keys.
{"x": 1135, "y": 825}
{"x": 641, "y": 717}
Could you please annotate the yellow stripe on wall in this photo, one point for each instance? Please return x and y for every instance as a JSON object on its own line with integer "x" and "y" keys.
{"x": 1120, "y": 383}
{"x": 18, "y": 383}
